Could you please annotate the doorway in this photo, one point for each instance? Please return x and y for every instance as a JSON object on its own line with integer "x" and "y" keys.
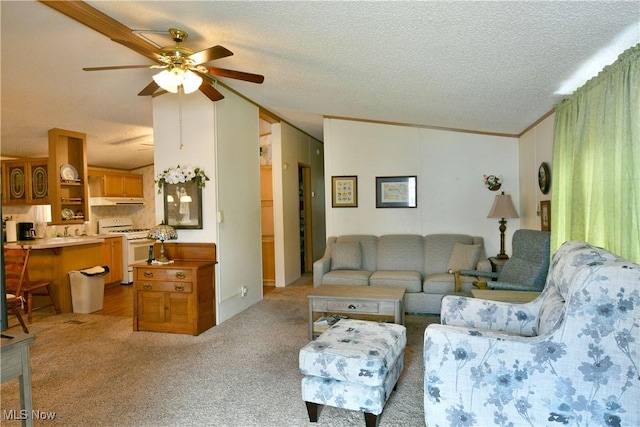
{"x": 306, "y": 238}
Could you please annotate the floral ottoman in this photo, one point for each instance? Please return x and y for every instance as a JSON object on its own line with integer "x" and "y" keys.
{"x": 354, "y": 365}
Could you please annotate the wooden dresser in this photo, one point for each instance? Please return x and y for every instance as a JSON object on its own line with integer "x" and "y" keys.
{"x": 177, "y": 297}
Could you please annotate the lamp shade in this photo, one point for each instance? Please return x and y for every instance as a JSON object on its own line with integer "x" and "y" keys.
{"x": 163, "y": 232}
{"x": 502, "y": 207}
{"x": 191, "y": 82}
{"x": 167, "y": 81}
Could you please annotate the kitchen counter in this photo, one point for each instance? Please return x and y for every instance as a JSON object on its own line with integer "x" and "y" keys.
{"x": 55, "y": 242}
{"x": 52, "y": 259}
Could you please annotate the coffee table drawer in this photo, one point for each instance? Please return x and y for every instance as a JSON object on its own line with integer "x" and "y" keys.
{"x": 353, "y": 306}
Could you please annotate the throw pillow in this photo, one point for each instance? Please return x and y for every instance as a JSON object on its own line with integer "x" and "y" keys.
{"x": 346, "y": 256}
{"x": 464, "y": 257}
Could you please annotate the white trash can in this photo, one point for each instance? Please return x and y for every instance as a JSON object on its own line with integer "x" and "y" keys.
{"x": 87, "y": 289}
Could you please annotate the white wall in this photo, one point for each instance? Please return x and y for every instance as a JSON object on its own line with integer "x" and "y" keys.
{"x": 449, "y": 166}
{"x": 536, "y": 147}
{"x": 222, "y": 138}
{"x": 198, "y": 138}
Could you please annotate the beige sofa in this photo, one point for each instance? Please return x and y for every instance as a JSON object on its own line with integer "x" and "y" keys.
{"x": 420, "y": 264}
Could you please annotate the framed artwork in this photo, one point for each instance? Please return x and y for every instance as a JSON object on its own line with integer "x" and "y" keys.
{"x": 183, "y": 204}
{"x": 344, "y": 191}
{"x": 544, "y": 178}
{"x": 396, "y": 192}
{"x": 545, "y": 215}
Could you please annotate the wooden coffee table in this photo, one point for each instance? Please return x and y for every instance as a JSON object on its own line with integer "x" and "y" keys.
{"x": 368, "y": 300}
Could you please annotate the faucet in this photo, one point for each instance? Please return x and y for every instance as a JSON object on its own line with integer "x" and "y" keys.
{"x": 66, "y": 231}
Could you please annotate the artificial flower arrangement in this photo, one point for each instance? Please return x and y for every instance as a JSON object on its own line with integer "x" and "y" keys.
{"x": 179, "y": 175}
{"x": 492, "y": 182}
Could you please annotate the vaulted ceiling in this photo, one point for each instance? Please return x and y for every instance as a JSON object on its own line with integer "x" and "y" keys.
{"x": 492, "y": 67}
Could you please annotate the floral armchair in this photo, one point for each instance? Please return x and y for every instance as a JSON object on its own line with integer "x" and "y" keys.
{"x": 570, "y": 357}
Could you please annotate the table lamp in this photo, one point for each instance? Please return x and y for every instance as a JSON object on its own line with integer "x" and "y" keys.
{"x": 502, "y": 208}
{"x": 163, "y": 232}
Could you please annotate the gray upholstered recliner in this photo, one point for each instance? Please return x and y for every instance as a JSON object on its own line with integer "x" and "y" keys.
{"x": 527, "y": 268}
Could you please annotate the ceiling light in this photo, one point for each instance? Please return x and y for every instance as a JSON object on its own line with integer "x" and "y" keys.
{"x": 166, "y": 81}
{"x": 191, "y": 82}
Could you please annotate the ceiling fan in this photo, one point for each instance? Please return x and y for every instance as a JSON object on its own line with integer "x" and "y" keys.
{"x": 183, "y": 68}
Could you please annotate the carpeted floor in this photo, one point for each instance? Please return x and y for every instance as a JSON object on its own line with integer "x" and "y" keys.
{"x": 94, "y": 370}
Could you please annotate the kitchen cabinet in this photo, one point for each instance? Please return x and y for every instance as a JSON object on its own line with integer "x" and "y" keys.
{"x": 68, "y": 186}
{"x": 25, "y": 182}
{"x": 112, "y": 257}
{"x": 177, "y": 297}
{"x": 114, "y": 184}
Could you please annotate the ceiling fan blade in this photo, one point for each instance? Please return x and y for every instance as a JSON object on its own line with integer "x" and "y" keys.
{"x": 206, "y": 55}
{"x": 140, "y": 49}
{"x": 149, "y": 89}
{"x": 116, "y": 67}
{"x": 240, "y": 75}
{"x": 211, "y": 92}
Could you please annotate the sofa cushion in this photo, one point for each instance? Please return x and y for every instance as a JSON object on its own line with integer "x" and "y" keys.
{"x": 410, "y": 280}
{"x": 438, "y": 248}
{"x": 464, "y": 257}
{"x": 346, "y": 277}
{"x": 444, "y": 284}
{"x": 368, "y": 246}
{"x": 400, "y": 252}
{"x": 346, "y": 256}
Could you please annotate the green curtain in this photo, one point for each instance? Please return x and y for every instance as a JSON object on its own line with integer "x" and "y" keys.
{"x": 596, "y": 161}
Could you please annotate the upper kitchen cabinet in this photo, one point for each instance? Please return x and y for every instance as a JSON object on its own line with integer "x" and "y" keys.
{"x": 68, "y": 187}
{"x": 25, "y": 182}
{"x": 115, "y": 184}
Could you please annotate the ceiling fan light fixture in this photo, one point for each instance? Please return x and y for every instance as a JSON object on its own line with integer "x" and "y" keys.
{"x": 191, "y": 82}
{"x": 167, "y": 81}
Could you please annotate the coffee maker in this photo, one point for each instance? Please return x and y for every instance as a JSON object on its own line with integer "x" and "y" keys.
{"x": 26, "y": 231}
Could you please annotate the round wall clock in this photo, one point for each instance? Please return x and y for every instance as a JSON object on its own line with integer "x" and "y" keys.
{"x": 544, "y": 178}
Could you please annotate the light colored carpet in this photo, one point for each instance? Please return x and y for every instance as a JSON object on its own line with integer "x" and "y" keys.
{"x": 94, "y": 370}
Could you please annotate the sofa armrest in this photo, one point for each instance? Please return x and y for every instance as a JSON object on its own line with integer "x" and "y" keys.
{"x": 513, "y": 286}
{"x": 320, "y": 268}
{"x": 512, "y": 318}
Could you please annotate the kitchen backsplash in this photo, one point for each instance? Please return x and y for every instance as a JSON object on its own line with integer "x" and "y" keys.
{"x": 143, "y": 216}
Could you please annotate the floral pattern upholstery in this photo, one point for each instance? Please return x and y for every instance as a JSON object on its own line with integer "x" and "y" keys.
{"x": 355, "y": 365}
{"x": 570, "y": 357}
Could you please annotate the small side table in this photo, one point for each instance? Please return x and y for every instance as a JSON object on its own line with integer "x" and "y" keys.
{"x": 16, "y": 362}
{"x": 497, "y": 264}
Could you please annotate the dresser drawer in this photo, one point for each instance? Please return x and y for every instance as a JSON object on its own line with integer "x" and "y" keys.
{"x": 150, "y": 285}
{"x": 164, "y": 274}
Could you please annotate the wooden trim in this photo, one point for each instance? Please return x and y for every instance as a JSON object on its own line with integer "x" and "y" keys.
{"x": 188, "y": 251}
{"x": 383, "y": 122}
{"x": 537, "y": 122}
{"x": 98, "y": 21}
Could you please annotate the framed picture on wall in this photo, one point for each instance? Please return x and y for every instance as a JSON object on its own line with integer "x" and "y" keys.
{"x": 344, "y": 191}
{"x": 396, "y": 192}
{"x": 545, "y": 215}
{"x": 183, "y": 205}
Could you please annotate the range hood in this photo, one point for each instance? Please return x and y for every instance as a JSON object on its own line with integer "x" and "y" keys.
{"x": 116, "y": 201}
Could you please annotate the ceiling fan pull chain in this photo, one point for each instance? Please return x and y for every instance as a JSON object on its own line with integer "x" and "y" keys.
{"x": 180, "y": 113}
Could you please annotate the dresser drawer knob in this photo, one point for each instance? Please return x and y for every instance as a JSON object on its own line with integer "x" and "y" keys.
{"x": 147, "y": 286}
{"x": 148, "y": 274}
{"x": 178, "y": 287}
{"x": 352, "y": 307}
{"x": 180, "y": 275}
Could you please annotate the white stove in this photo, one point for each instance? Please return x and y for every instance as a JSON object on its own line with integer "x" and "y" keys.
{"x": 135, "y": 243}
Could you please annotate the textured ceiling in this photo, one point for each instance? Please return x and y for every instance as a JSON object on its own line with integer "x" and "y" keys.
{"x": 479, "y": 66}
